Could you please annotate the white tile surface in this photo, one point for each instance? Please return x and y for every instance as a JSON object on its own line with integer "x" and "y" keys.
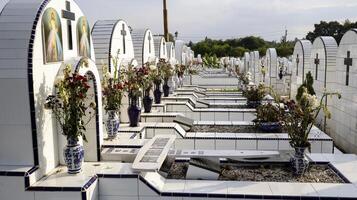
{"x": 210, "y": 187}
{"x": 335, "y": 190}
{"x": 292, "y": 189}
{"x": 250, "y": 188}
{"x": 118, "y": 187}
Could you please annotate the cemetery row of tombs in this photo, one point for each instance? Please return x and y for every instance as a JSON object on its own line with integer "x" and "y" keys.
{"x": 114, "y": 112}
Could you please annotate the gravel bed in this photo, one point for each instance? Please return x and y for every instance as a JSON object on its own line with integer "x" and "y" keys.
{"x": 227, "y": 129}
{"x": 265, "y": 173}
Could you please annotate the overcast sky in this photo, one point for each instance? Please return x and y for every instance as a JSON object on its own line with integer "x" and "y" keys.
{"x": 221, "y": 19}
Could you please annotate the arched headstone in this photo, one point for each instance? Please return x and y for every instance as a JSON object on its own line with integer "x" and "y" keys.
{"x": 179, "y": 45}
{"x": 300, "y": 61}
{"x": 160, "y": 47}
{"x": 343, "y": 110}
{"x": 272, "y": 67}
{"x": 2, "y": 4}
{"x": 111, "y": 37}
{"x": 323, "y": 69}
{"x": 52, "y": 33}
{"x": 144, "y": 48}
{"x": 246, "y": 62}
{"x": 255, "y": 63}
{"x": 171, "y": 52}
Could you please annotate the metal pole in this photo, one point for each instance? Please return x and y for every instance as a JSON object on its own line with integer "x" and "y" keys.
{"x": 166, "y": 28}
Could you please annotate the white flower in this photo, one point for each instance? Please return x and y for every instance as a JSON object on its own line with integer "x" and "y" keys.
{"x": 152, "y": 67}
{"x": 311, "y": 100}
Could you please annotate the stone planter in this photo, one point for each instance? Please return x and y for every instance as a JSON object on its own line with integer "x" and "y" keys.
{"x": 299, "y": 162}
{"x": 73, "y": 156}
{"x": 112, "y": 123}
{"x": 270, "y": 126}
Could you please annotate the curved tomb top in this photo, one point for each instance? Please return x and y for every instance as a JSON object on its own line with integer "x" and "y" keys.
{"x": 179, "y": 51}
{"x": 160, "y": 47}
{"x": 39, "y": 37}
{"x": 301, "y": 60}
{"x": 246, "y": 61}
{"x": 112, "y": 38}
{"x": 346, "y": 85}
{"x": 171, "y": 52}
{"x": 323, "y": 61}
{"x": 144, "y": 49}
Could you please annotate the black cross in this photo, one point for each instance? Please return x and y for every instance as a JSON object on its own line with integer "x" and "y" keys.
{"x": 123, "y": 33}
{"x": 70, "y": 16}
{"x": 149, "y": 42}
{"x": 348, "y": 63}
{"x": 164, "y": 46}
{"x": 317, "y": 62}
{"x": 297, "y": 64}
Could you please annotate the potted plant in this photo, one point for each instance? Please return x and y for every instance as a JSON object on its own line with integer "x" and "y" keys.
{"x": 69, "y": 107}
{"x": 254, "y": 95}
{"x": 147, "y": 84}
{"x": 133, "y": 79}
{"x": 298, "y": 120}
{"x": 180, "y": 71}
{"x": 269, "y": 117}
{"x": 112, "y": 96}
{"x": 167, "y": 72}
{"x": 192, "y": 71}
{"x": 244, "y": 79}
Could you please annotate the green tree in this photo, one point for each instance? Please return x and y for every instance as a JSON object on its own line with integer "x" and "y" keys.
{"x": 332, "y": 28}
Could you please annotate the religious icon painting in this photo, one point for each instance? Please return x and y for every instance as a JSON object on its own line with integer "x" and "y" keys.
{"x": 83, "y": 37}
{"x": 52, "y": 36}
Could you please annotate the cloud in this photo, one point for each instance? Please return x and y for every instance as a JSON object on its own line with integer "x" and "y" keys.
{"x": 195, "y": 19}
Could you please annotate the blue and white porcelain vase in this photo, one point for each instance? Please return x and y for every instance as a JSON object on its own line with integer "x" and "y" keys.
{"x": 112, "y": 123}
{"x": 73, "y": 156}
{"x": 299, "y": 162}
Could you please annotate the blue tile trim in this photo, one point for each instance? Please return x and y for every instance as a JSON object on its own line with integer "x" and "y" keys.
{"x": 122, "y": 146}
{"x": 84, "y": 195}
{"x": 30, "y": 83}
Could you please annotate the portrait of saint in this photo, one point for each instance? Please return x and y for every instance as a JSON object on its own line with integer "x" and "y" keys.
{"x": 83, "y": 37}
{"x": 52, "y": 36}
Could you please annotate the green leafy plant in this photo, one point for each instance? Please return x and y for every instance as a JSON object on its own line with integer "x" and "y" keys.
{"x": 166, "y": 69}
{"x": 255, "y": 93}
{"x": 69, "y": 104}
{"x": 301, "y": 116}
{"x": 133, "y": 77}
{"x": 308, "y": 85}
{"x": 113, "y": 87}
{"x": 269, "y": 112}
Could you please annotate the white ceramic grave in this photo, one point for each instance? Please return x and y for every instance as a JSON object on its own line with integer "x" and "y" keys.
{"x": 344, "y": 115}
{"x": 300, "y": 60}
{"x": 144, "y": 48}
{"x": 171, "y": 52}
{"x": 39, "y": 38}
{"x": 272, "y": 67}
{"x": 255, "y": 63}
{"x": 323, "y": 69}
{"x": 109, "y": 38}
{"x": 179, "y": 45}
{"x": 160, "y": 47}
{"x": 246, "y": 62}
